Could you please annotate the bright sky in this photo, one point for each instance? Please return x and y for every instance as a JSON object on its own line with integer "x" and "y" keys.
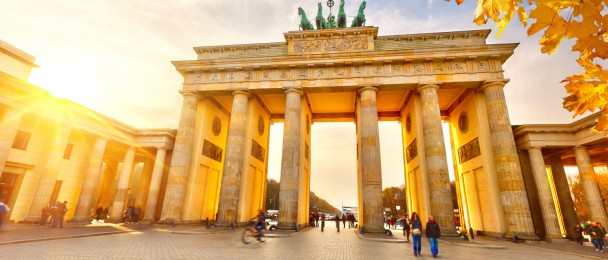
{"x": 114, "y": 57}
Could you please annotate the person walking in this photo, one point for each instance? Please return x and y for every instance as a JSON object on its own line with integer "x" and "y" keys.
{"x": 3, "y": 209}
{"x": 433, "y": 233}
{"x": 578, "y": 233}
{"x": 392, "y": 222}
{"x": 416, "y": 233}
{"x": 136, "y": 212}
{"x": 406, "y": 228}
{"x": 98, "y": 213}
{"x": 338, "y": 222}
{"x": 44, "y": 217}
{"x": 597, "y": 236}
{"x": 344, "y": 220}
{"x": 322, "y": 220}
{"x": 62, "y": 208}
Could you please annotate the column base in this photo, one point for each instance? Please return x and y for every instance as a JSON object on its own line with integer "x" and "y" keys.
{"x": 557, "y": 240}
{"x": 147, "y": 221}
{"x": 79, "y": 220}
{"x": 169, "y": 221}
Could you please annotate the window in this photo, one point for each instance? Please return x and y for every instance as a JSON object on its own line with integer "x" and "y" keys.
{"x": 68, "y": 151}
{"x": 21, "y": 140}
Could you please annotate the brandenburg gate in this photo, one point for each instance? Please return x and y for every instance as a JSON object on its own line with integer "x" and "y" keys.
{"x": 233, "y": 93}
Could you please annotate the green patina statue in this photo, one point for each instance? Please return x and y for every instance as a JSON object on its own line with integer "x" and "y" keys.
{"x": 321, "y": 23}
{"x": 331, "y": 19}
{"x": 304, "y": 22}
{"x": 360, "y": 18}
{"x": 341, "y": 16}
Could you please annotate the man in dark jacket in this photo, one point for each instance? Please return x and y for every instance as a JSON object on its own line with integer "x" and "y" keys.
{"x": 597, "y": 236}
{"x": 433, "y": 233}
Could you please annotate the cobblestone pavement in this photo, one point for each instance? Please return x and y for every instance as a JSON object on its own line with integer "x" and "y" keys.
{"x": 158, "y": 242}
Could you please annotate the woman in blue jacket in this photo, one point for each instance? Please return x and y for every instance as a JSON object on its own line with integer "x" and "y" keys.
{"x": 416, "y": 232}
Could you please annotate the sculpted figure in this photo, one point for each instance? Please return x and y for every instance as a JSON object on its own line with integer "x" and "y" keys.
{"x": 360, "y": 18}
{"x": 321, "y": 23}
{"x": 341, "y": 16}
{"x": 304, "y": 22}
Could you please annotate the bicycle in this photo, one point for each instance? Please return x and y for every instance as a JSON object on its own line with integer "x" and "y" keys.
{"x": 252, "y": 232}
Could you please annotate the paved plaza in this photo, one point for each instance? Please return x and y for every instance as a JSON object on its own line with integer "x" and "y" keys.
{"x": 195, "y": 242}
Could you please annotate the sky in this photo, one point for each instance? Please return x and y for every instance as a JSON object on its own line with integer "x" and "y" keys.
{"x": 115, "y": 57}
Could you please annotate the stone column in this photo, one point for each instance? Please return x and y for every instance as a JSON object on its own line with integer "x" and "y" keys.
{"x": 370, "y": 175}
{"x": 508, "y": 169}
{"x": 233, "y": 164}
{"x": 9, "y": 125}
{"x": 180, "y": 160}
{"x": 88, "y": 192}
{"x": 563, "y": 194}
{"x": 290, "y": 162}
{"x": 592, "y": 193}
{"x": 436, "y": 160}
{"x": 545, "y": 195}
{"x": 157, "y": 175}
{"x": 47, "y": 179}
{"x": 123, "y": 184}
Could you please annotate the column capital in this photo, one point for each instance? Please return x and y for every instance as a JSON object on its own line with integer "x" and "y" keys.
{"x": 191, "y": 93}
{"x": 366, "y": 88}
{"x": 580, "y": 147}
{"x": 294, "y": 90}
{"x": 241, "y": 92}
{"x": 160, "y": 148}
{"x": 423, "y": 86}
{"x": 494, "y": 83}
{"x": 534, "y": 148}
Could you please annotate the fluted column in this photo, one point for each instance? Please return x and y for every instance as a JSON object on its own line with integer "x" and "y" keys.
{"x": 545, "y": 195}
{"x": 290, "y": 162}
{"x": 233, "y": 164}
{"x": 508, "y": 169}
{"x": 180, "y": 160}
{"x": 592, "y": 193}
{"x": 123, "y": 184}
{"x": 9, "y": 125}
{"x": 89, "y": 186}
{"x": 47, "y": 180}
{"x": 370, "y": 174}
{"x": 157, "y": 175}
{"x": 563, "y": 194}
{"x": 436, "y": 160}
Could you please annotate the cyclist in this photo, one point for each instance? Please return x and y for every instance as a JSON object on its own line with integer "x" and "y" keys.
{"x": 260, "y": 223}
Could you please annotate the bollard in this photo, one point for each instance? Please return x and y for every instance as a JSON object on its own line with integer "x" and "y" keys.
{"x": 362, "y": 230}
{"x": 231, "y": 225}
{"x": 514, "y": 239}
{"x": 472, "y": 234}
{"x": 295, "y": 225}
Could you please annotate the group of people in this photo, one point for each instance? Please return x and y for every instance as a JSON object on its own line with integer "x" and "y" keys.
{"x": 391, "y": 222}
{"x": 131, "y": 214}
{"x": 101, "y": 213}
{"x": 432, "y": 233}
{"x": 313, "y": 220}
{"x": 595, "y": 231}
{"x": 53, "y": 214}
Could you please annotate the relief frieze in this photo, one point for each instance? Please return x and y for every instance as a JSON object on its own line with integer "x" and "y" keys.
{"x": 345, "y": 44}
{"x": 469, "y": 151}
{"x": 411, "y": 151}
{"x": 212, "y": 151}
{"x": 257, "y": 151}
{"x": 341, "y": 71}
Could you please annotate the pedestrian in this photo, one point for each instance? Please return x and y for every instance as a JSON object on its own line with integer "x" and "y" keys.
{"x": 338, "y": 222}
{"x": 98, "y": 213}
{"x": 136, "y": 212}
{"x": 597, "y": 236}
{"x": 128, "y": 214}
{"x": 406, "y": 228}
{"x": 106, "y": 213}
{"x": 62, "y": 208}
{"x": 603, "y": 230}
{"x": 392, "y": 224}
{"x": 344, "y": 220}
{"x": 578, "y": 233}
{"x": 3, "y": 209}
{"x": 316, "y": 219}
{"x": 433, "y": 233}
{"x": 53, "y": 212}
{"x": 416, "y": 233}
{"x": 57, "y": 213}
{"x": 322, "y": 220}
{"x": 44, "y": 216}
